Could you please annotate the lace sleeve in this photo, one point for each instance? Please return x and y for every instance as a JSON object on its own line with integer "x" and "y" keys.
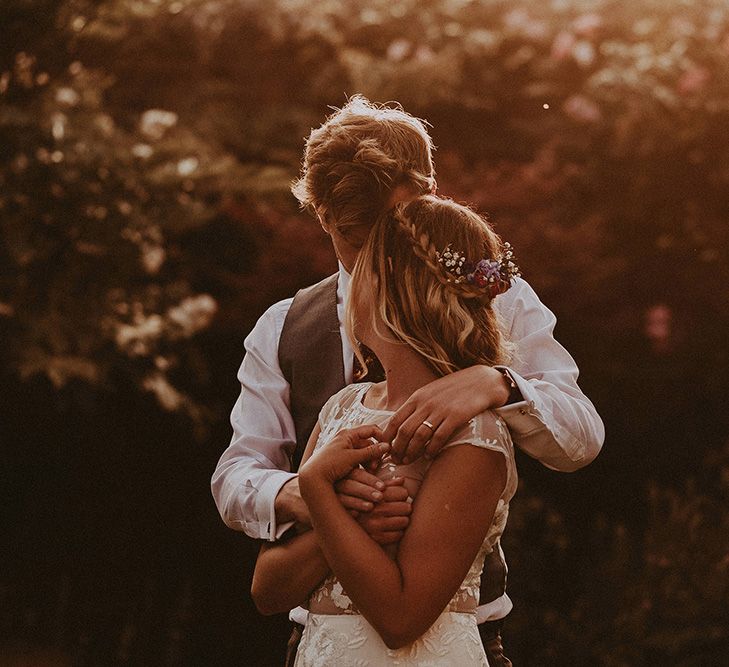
{"x": 333, "y": 408}
{"x": 489, "y": 431}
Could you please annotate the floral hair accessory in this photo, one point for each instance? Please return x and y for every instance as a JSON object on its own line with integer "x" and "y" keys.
{"x": 494, "y": 276}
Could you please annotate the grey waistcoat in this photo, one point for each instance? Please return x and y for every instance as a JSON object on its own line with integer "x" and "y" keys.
{"x": 310, "y": 356}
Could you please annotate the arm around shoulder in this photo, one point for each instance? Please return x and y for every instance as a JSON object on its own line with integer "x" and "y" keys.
{"x": 555, "y": 423}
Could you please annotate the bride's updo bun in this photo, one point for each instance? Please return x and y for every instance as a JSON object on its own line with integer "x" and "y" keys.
{"x": 417, "y": 297}
{"x": 356, "y": 160}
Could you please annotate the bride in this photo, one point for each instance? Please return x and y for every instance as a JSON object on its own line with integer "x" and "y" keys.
{"x": 421, "y": 299}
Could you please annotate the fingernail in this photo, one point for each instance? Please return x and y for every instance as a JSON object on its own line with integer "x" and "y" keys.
{"x": 384, "y": 446}
{"x": 367, "y": 506}
{"x": 409, "y": 499}
{"x": 380, "y": 485}
{"x": 377, "y": 495}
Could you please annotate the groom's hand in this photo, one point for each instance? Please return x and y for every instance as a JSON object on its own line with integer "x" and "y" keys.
{"x": 445, "y": 404}
{"x": 387, "y": 522}
{"x": 359, "y": 491}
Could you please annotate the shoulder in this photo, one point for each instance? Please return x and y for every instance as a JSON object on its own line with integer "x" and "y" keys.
{"x": 488, "y": 431}
{"x": 519, "y": 292}
{"x": 344, "y": 399}
{"x": 520, "y": 309}
{"x": 323, "y": 285}
{"x": 268, "y": 327}
{"x": 481, "y": 431}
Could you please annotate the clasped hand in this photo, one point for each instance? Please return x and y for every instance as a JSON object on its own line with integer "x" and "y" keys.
{"x": 381, "y": 507}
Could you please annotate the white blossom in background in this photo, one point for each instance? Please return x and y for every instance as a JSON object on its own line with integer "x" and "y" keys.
{"x": 187, "y": 166}
{"x": 155, "y": 122}
{"x": 153, "y": 256}
{"x": 193, "y": 314}
{"x": 67, "y": 96}
{"x": 142, "y": 151}
{"x": 137, "y": 339}
{"x": 169, "y": 398}
{"x": 582, "y": 109}
{"x": 584, "y": 53}
{"x": 58, "y": 125}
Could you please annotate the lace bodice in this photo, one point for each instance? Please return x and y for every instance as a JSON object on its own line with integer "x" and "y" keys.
{"x": 346, "y": 410}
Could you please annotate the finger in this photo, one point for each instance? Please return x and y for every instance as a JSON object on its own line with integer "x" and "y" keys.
{"x": 372, "y": 451}
{"x": 441, "y": 435}
{"x": 396, "y": 421}
{"x": 395, "y": 494}
{"x": 360, "y": 435}
{"x": 414, "y": 435}
{"x": 404, "y": 434}
{"x": 350, "y": 487}
{"x": 417, "y": 444}
{"x": 378, "y": 524}
{"x": 390, "y": 537}
{"x": 400, "y": 508}
{"x": 388, "y": 523}
{"x": 395, "y": 481}
{"x": 353, "y": 504}
{"x": 371, "y": 466}
{"x": 364, "y": 477}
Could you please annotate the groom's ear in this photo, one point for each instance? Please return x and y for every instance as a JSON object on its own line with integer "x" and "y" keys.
{"x": 321, "y": 217}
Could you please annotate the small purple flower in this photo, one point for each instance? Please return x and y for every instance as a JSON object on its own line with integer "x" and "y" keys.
{"x": 489, "y": 268}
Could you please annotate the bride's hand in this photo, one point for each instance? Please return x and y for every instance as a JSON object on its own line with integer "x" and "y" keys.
{"x": 344, "y": 452}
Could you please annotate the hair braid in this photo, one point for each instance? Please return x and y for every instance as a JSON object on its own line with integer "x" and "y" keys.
{"x": 426, "y": 250}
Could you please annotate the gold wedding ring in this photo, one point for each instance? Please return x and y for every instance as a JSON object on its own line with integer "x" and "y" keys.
{"x": 429, "y": 425}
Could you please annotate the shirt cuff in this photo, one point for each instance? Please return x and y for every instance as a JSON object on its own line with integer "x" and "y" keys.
{"x": 266, "y": 505}
{"x": 522, "y": 417}
{"x": 495, "y": 610}
{"x": 524, "y": 420}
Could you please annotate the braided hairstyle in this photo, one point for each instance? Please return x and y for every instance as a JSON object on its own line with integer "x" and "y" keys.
{"x": 452, "y": 325}
{"x": 356, "y": 159}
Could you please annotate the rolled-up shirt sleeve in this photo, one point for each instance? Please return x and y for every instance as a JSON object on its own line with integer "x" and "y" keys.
{"x": 255, "y": 466}
{"x": 555, "y": 423}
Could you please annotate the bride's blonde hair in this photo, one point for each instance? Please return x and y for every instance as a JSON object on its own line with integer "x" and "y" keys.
{"x": 452, "y": 325}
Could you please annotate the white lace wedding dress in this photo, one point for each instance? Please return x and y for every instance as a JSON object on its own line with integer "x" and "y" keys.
{"x": 335, "y": 634}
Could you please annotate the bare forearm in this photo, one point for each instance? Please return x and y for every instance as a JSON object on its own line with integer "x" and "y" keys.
{"x": 287, "y": 573}
{"x": 382, "y": 599}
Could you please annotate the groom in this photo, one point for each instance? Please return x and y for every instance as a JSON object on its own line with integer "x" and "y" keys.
{"x": 358, "y": 164}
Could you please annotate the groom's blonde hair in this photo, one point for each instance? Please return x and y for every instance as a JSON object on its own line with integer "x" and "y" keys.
{"x": 399, "y": 281}
{"x": 354, "y": 162}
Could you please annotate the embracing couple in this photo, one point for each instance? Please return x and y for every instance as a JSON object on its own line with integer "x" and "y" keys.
{"x": 397, "y": 388}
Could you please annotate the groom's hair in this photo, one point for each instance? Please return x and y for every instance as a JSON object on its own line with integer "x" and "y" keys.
{"x": 356, "y": 160}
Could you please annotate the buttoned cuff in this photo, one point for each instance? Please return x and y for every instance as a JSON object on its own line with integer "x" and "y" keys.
{"x": 524, "y": 420}
{"x": 522, "y": 417}
{"x": 266, "y": 505}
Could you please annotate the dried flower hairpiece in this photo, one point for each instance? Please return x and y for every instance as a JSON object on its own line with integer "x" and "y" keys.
{"x": 494, "y": 276}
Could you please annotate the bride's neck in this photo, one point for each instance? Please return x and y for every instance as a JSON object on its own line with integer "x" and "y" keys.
{"x": 405, "y": 372}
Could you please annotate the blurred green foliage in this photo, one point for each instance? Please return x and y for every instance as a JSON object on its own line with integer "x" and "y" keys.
{"x": 146, "y": 148}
